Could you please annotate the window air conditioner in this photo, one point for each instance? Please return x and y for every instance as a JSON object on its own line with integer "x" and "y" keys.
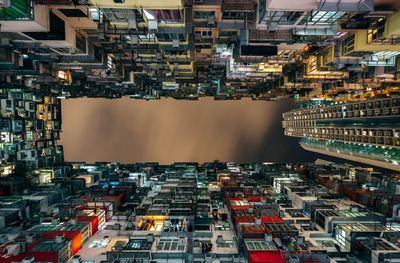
{"x": 211, "y": 20}
{"x": 175, "y": 43}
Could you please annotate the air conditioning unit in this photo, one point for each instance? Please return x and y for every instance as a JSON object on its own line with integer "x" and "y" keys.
{"x": 211, "y": 20}
{"x": 5, "y": 3}
{"x": 135, "y": 40}
{"x": 153, "y": 25}
{"x": 175, "y": 43}
{"x": 94, "y": 14}
{"x": 150, "y": 238}
{"x": 132, "y": 24}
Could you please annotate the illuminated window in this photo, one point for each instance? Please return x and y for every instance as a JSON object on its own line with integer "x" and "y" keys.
{"x": 110, "y": 62}
{"x": 61, "y": 74}
{"x": 376, "y": 30}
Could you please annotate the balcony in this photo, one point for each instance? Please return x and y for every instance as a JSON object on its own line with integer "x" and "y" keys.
{"x": 263, "y": 36}
{"x": 23, "y": 16}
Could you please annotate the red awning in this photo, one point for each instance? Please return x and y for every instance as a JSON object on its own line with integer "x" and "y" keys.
{"x": 272, "y": 219}
{"x": 273, "y": 256}
{"x": 241, "y": 207}
{"x": 244, "y": 219}
{"x": 254, "y": 198}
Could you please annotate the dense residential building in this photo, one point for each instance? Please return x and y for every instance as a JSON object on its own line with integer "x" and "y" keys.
{"x": 187, "y": 49}
{"x": 190, "y": 212}
{"x": 338, "y": 59}
{"x": 365, "y": 131}
{"x": 30, "y": 129}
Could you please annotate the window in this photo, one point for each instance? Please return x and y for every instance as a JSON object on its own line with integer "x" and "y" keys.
{"x": 18, "y": 10}
{"x": 205, "y": 34}
{"x": 168, "y": 16}
{"x": 227, "y": 33}
{"x": 290, "y": 17}
{"x": 170, "y": 37}
{"x": 203, "y": 14}
{"x": 80, "y": 42}
{"x": 376, "y": 30}
{"x": 110, "y": 62}
{"x": 348, "y": 45}
{"x": 122, "y": 15}
{"x": 233, "y": 15}
{"x": 283, "y": 17}
{"x": 321, "y": 18}
{"x": 61, "y": 74}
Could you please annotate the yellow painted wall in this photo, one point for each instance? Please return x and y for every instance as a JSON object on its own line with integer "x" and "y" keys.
{"x": 361, "y": 44}
{"x": 215, "y": 8}
{"x": 76, "y": 22}
{"x": 393, "y": 24}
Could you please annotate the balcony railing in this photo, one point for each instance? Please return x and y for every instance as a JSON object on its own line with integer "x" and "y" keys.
{"x": 259, "y": 35}
{"x": 238, "y": 6}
